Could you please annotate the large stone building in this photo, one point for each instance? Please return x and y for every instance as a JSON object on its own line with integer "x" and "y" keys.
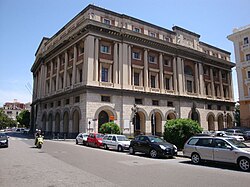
{"x": 104, "y": 66}
{"x": 241, "y": 40}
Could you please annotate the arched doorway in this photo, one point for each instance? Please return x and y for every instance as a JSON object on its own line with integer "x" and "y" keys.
{"x": 220, "y": 122}
{"x": 44, "y": 123}
{"x": 50, "y": 123}
{"x": 171, "y": 116}
{"x": 66, "y": 123}
{"x": 210, "y": 121}
{"x": 76, "y": 122}
{"x": 139, "y": 123}
{"x": 156, "y": 124}
{"x": 57, "y": 123}
{"x": 103, "y": 117}
{"x": 229, "y": 121}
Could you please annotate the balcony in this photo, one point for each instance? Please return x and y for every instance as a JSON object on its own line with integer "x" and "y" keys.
{"x": 245, "y": 47}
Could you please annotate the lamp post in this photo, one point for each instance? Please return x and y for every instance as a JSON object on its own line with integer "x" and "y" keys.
{"x": 134, "y": 110}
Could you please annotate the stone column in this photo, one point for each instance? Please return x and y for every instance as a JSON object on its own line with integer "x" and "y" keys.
{"x": 96, "y": 59}
{"x": 57, "y": 73}
{"x": 50, "y": 78}
{"x": 120, "y": 74}
{"x": 212, "y": 82}
{"x": 125, "y": 65}
{"x": 129, "y": 65}
{"x": 201, "y": 79}
{"x": 230, "y": 88}
{"x": 145, "y": 69}
{"x": 161, "y": 72}
{"x": 115, "y": 65}
{"x": 74, "y": 66}
{"x": 65, "y": 70}
{"x": 175, "y": 75}
{"x": 197, "y": 89}
{"x": 43, "y": 80}
{"x": 221, "y": 85}
{"x": 180, "y": 75}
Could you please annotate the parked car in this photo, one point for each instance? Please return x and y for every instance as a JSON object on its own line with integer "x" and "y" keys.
{"x": 82, "y": 138}
{"x": 235, "y": 132}
{"x": 246, "y": 135}
{"x": 221, "y": 149}
{"x": 4, "y": 142}
{"x": 117, "y": 142}
{"x": 94, "y": 139}
{"x": 152, "y": 145}
{"x": 225, "y": 134}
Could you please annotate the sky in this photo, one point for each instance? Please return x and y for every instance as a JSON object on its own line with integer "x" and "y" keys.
{"x": 23, "y": 24}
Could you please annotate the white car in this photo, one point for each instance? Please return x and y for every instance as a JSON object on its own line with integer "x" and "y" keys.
{"x": 82, "y": 138}
{"x": 117, "y": 142}
{"x": 225, "y": 134}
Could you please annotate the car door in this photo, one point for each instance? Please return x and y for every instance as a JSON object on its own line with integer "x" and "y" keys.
{"x": 114, "y": 142}
{"x": 223, "y": 151}
{"x": 143, "y": 145}
{"x": 205, "y": 148}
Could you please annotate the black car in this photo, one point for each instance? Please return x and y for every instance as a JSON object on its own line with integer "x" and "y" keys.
{"x": 3, "y": 140}
{"x": 154, "y": 146}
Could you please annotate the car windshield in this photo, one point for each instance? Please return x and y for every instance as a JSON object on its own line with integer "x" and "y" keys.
{"x": 237, "y": 143}
{"x": 156, "y": 139}
{"x": 85, "y": 135}
{"x": 99, "y": 135}
{"x": 122, "y": 138}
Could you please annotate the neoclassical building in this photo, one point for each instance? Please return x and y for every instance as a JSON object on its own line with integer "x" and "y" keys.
{"x": 104, "y": 66}
{"x": 241, "y": 39}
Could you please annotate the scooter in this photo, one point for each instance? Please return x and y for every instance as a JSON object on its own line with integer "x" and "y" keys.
{"x": 39, "y": 142}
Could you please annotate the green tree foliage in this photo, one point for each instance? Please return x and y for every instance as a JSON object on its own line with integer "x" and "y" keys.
{"x": 178, "y": 131}
{"x": 109, "y": 128}
{"x": 24, "y": 118}
{"x": 5, "y": 121}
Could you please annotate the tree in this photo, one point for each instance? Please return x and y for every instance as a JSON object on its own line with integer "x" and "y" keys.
{"x": 237, "y": 114}
{"x": 5, "y": 121}
{"x": 178, "y": 131}
{"x": 24, "y": 118}
{"x": 110, "y": 128}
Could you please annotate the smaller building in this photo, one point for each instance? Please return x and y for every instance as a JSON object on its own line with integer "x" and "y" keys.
{"x": 12, "y": 109}
{"x": 241, "y": 40}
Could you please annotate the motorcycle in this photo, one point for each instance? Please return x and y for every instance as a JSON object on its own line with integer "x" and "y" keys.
{"x": 39, "y": 142}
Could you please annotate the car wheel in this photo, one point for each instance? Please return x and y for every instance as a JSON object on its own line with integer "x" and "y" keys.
{"x": 131, "y": 151}
{"x": 195, "y": 158}
{"x": 153, "y": 153}
{"x": 83, "y": 143}
{"x": 106, "y": 147}
{"x": 244, "y": 164}
{"x": 120, "y": 149}
{"x": 76, "y": 141}
{"x": 87, "y": 144}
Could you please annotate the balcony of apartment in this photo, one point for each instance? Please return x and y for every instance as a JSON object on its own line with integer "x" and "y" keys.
{"x": 245, "y": 47}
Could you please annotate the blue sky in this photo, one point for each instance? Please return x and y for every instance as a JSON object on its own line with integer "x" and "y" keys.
{"x": 23, "y": 23}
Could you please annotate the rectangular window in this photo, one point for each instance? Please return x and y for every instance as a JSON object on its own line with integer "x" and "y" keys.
{"x": 167, "y": 83}
{"x": 106, "y": 21}
{"x": 67, "y": 101}
{"x": 136, "y": 55}
{"x": 45, "y": 106}
{"x": 248, "y": 74}
{"x": 105, "y": 98}
{"x": 170, "y": 103}
{"x": 105, "y": 73}
{"x": 189, "y": 86}
{"x": 152, "y": 34}
{"x": 138, "y": 101}
{"x": 209, "y": 107}
{"x": 218, "y": 107}
{"x": 58, "y": 103}
{"x": 104, "y": 49}
{"x": 137, "y": 29}
{"x": 167, "y": 62}
{"x": 247, "y": 57}
{"x": 246, "y": 40}
{"x": 51, "y": 105}
{"x": 77, "y": 99}
{"x": 136, "y": 79}
{"x": 81, "y": 50}
{"x": 151, "y": 59}
{"x": 152, "y": 81}
{"x": 155, "y": 102}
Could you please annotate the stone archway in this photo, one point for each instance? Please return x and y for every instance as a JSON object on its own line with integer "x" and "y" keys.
{"x": 156, "y": 124}
{"x": 57, "y": 123}
{"x": 139, "y": 122}
{"x": 220, "y": 122}
{"x": 66, "y": 122}
{"x": 75, "y": 123}
{"x": 210, "y": 121}
{"x": 171, "y": 115}
{"x": 103, "y": 117}
{"x": 44, "y": 119}
{"x": 229, "y": 121}
{"x": 50, "y": 123}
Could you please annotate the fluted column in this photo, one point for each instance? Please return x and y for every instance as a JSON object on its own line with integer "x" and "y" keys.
{"x": 180, "y": 76}
{"x": 74, "y": 66}
{"x": 65, "y": 70}
{"x": 57, "y": 73}
{"x": 145, "y": 69}
{"x": 50, "y": 78}
{"x": 129, "y": 65}
{"x": 120, "y": 74}
{"x": 175, "y": 75}
{"x": 230, "y": 88}
{"x": 197, "y": 90}
{"x": 221, "y": 85}
{"x": 212, "y": 82}
{"x": 96, "y": 59}
{"x": 115, "y": 65}
{"x": 201, "y": 74}
{"x": 43, "y": 80}
{"x": 161, "y": 71}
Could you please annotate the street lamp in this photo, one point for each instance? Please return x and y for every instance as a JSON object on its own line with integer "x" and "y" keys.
{"x": 134, "y": 110}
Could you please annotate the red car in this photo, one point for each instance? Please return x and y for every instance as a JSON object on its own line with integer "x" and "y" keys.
{"x": 94, "y": 140}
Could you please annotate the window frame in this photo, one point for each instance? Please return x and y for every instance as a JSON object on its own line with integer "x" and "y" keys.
{"x": 103, "y": 49}
{"x": 134, "y": 54}
{"x": 106, "y": 21}
{"x": 105, "y": 74}
{"x": 245, "y": 40}
{"x": 248, "y": 57}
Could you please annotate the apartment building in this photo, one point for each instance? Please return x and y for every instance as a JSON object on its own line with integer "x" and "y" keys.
{"x": 104, "y": 66}
{"x": 241, "y": 39}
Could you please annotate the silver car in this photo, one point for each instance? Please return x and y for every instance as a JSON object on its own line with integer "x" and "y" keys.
{"x": 117, "y": 142}
{"x": 82, "y": 138}
{"x": 222, "y": 149}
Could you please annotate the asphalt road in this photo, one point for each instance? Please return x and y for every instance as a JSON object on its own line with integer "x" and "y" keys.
{"x": 62, "y": 163}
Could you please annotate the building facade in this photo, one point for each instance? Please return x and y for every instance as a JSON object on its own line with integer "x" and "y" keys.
{"x": 241, "y": 40}
{"x": 103, "y": 66}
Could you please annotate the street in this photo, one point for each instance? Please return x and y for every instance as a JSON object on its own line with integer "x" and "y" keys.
{"x": 63, "y": 163}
